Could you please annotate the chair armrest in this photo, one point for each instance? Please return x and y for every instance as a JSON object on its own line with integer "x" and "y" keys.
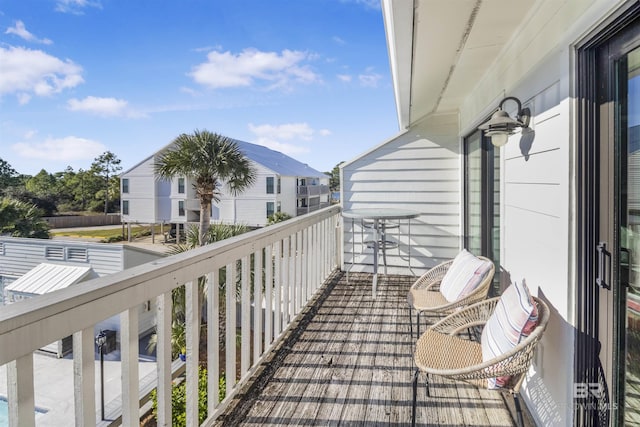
{"x": 432, "y": 278}
{"x": 473, "y": 315}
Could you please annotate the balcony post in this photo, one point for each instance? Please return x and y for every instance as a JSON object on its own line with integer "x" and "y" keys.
{"x": 192, "y": 335}
{"x": 84, "y": 368}
{"x": 22, "y": 409}
{"x": 163, "y": 358}
{"x": 129, "y": 350}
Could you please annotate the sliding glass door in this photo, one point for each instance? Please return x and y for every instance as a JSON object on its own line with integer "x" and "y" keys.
{"x": 482, "y": 200}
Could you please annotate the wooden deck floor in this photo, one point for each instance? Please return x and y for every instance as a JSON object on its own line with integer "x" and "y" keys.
{"x": 349, "y": 363}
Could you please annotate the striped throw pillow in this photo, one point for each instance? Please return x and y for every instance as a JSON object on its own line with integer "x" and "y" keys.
{"x": 463, "y": 276}
{"x": 514, "y": 318}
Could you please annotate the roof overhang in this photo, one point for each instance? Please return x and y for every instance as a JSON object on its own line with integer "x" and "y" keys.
{"x": 439, "y": 50}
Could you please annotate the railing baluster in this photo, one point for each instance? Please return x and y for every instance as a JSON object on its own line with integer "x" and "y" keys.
{"x": 163, "y": 357}
{"x": 300, "y": 279}
{"x": 286, "y": 283}
{"x": 192, "y": 335}
{"x": 245, "y": 319}
{"x": 302, "y": 254}
{"x": 129, "y": 358}
{"x": 268, "y": 298}
{"x": 257, "y": 305}
{"x": 213, "y": 340}
{"x": 277, "y": 284}
{"x": 22, "y": 409}
{"x": 314, "y": 252}
{"x": 84, "y": 370}
{"x": 230, "y": 330}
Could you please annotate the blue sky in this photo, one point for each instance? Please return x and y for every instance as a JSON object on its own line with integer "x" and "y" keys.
{"x": 309, "y": 78}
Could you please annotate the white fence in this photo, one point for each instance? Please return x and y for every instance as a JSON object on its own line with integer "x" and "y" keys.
{"x": 275, "y": 270}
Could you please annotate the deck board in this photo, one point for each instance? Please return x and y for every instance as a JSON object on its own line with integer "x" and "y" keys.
{"x": 349, "y": 362}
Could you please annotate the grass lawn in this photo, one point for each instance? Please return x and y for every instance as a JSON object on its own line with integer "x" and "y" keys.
{"x": 111, "y": 233}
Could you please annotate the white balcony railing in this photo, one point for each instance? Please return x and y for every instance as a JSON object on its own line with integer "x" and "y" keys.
{"x": 302, "y": 252}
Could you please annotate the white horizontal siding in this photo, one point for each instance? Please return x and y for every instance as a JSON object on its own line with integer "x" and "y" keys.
{"x": 143, "y": 194}
{"x": 418, "y": 170}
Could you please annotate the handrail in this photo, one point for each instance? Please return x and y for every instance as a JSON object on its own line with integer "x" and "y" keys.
{"x": 303, "y": 252}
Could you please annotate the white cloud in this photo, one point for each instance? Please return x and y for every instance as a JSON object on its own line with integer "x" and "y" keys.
{"x": 286, "y": 131}
{"x": 338, "y": 40}
{"x": 272, "y": 136}
{"x": 105, "y": 107}
{"x": 288, "y": 149}
{"x": 60, "y": 149}
{"x": 369, "y": 4}
{"x": 21, "y": 31}
{"x": 345, "y": 77}
{"x": 279, "y": 70}
{"x": 369, "y": 79}
{"x": 27, "y": 71}
{"x": 76, "y": 7}
{"x": 23, "y": 98}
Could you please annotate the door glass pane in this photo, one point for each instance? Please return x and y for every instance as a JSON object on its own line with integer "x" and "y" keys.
{"x": 473, "y": 194}
{"x": 629, "y": 133}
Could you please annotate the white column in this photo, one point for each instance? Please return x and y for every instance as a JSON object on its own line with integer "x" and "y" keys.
{"x": 22, "y": 409}
{"x": 84, "y": 380}
{"x": 163, "y": 357}
{"x": 129, "y": 358}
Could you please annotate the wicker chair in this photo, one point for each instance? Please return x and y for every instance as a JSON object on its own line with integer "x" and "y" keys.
{"x": 425, "y": 297}
{"x": 440, "y": 351}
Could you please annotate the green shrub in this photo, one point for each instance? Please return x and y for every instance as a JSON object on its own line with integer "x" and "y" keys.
{"x": 179, "y": 400}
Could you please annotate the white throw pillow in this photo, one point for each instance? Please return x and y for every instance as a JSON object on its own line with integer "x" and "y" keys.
{"x": 463, "y": 276}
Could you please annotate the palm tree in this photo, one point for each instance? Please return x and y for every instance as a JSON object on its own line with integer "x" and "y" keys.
{"x": 209, "y": 160}
{"x": 20, "y": 219}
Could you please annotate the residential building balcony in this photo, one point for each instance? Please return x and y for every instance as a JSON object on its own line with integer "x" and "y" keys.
{"x": 321, "y": 349}
{"x": 313, "y": 190}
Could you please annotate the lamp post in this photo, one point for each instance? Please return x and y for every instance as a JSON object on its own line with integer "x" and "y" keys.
{"x": 101, "y": 340}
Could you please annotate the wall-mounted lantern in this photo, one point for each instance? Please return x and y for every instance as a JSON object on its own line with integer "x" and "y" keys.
{"x": 501, "y": 125}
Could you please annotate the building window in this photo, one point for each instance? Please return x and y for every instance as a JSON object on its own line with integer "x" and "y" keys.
{"x": 269, "y": 185}
{"x": 279, "y": 185}
{"x": 180, "y": 207}
{"x": 1, "y": 248}
{"x": 180, "y": 185}
{"x": 270, "y": 208}
{"x": 279, "y": 207}
{"x": 125, "y": 185}
{"x": 125, "y": 207}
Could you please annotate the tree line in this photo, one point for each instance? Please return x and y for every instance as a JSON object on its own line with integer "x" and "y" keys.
{"x": 95, "y": 189}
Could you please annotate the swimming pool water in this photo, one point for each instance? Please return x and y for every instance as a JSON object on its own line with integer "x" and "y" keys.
{"x": 4, "y": 412}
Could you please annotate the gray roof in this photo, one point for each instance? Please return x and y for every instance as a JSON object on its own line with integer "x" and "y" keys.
{"x": 46, "y": 278}
{"x": 276, "y": 161}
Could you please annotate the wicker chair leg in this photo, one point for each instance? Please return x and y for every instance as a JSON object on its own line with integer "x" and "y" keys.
{"x": 418, "y": 325}
{"x": 411, "y": 322}
{"x": 516, "y": 400}
{"x": 426, "y": 385}
{"x": 415, "y": 393}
